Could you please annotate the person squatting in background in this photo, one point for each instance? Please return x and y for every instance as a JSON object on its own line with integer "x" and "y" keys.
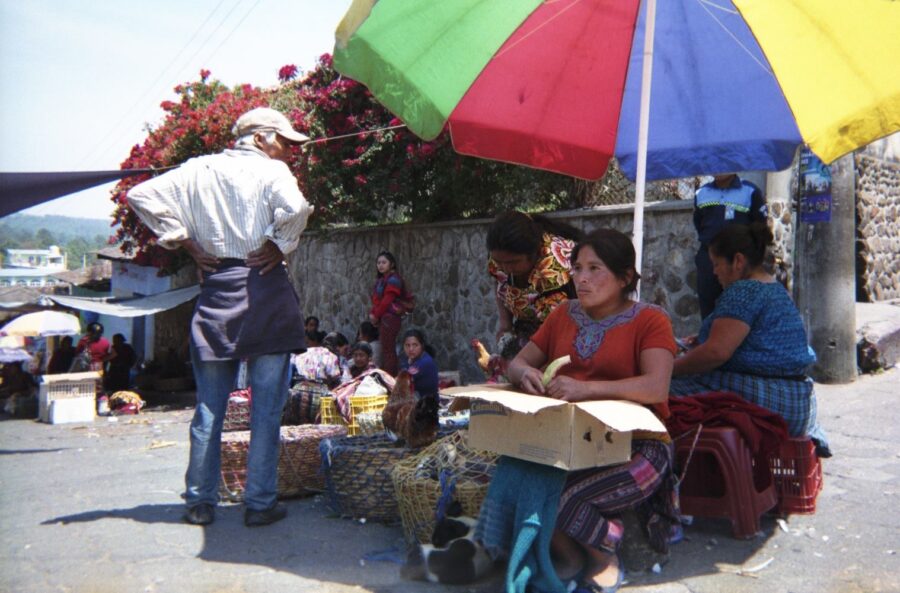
{"x": 360, "y": 360}
{"x": 419, "y": 363}
{"x": 369, "y": 333}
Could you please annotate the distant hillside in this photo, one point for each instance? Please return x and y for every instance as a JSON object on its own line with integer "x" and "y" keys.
{"x": 78, "y": 237}
{"x": 63, "y": 228}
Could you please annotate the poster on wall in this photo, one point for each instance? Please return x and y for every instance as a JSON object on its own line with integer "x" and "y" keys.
{"x": 815, "y": 189}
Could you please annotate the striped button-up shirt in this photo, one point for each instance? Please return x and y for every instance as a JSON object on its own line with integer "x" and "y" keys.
{"x": 230, "y": 203}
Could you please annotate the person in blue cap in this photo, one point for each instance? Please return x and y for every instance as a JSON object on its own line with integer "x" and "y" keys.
{"x": 727, "y": 199}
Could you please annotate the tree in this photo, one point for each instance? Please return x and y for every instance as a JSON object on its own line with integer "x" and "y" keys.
{"x": 44, "y": 238}
{"x": 374, "y": 171}
{"x": 76, "y": 249}
{"x": 363, "y": 168}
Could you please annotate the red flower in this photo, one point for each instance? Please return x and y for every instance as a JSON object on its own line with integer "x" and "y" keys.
{"x": 361, "y": 179}
{"x": 286, "y": 73}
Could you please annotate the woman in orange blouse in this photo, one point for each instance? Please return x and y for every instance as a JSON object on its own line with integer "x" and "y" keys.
{"x": 620, "y": 349}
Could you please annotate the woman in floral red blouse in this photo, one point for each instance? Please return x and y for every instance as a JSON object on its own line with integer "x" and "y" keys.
{"x": 390, "y": 302}
{"x": 529, "y": 259}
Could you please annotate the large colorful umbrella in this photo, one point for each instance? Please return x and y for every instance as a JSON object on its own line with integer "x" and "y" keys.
{"x": 556, "y": 84}
{"x": 559, "y": 84}
{"x": 42, "y": 323}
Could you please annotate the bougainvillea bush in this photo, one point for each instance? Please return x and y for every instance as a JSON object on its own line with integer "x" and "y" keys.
{"x": 391, "y": 175}
{"x": 363, "y": 166}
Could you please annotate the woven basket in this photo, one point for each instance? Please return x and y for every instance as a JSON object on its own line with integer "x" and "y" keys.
{"x": 358, "y": 475}
{"x": 358, "y": 404}
{"x": 303, "y": 403}
{"x": 298, "y": 461}
{"x": 237, "y": 414}
{"x": 418, "y": 487}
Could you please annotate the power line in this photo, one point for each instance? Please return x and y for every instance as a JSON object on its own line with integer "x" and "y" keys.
{"x": 105, "y": 146}
{"x": 210, "y": 36}
{"x": 225, "y": 39}
{"x": 230, "y": 33}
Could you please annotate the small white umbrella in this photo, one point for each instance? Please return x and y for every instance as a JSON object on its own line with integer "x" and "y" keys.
{"x": 43, "y": 324}
{"x": 11, "y": 350}
{"x": 10, "y": 355}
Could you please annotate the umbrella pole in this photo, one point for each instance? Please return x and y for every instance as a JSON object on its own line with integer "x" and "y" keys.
{"x": 643, "y": 130}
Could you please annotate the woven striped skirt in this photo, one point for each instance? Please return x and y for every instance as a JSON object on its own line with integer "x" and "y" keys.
{"x": 592, "y": 498}
{"x": 791, "y": 399}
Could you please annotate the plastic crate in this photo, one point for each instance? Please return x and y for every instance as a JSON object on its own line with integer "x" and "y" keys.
{"x": 797, "y": 473}
{"x": 75, "y": 393}
{"x": 358, "y": 405}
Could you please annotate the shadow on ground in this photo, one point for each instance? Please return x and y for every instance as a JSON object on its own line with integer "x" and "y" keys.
{"x": 145, "y": 513}
{"x": 30, "y": 451}
{"x": 313, "y": 545}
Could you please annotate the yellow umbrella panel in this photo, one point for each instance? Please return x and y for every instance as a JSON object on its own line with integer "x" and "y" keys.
{"x": 836, "y": 62}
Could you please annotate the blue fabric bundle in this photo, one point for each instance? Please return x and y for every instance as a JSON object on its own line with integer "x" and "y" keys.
{"x": 518, "y": 521}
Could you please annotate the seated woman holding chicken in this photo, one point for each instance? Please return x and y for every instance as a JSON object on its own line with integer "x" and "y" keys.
{"x": 619, "y": 349}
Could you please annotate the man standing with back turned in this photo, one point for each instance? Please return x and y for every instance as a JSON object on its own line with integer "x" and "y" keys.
{"x": 237, "y": 213}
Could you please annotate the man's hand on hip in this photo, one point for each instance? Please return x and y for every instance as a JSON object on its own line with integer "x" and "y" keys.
{"x": 205, "y": 261}
{"x": 266, "y": 257}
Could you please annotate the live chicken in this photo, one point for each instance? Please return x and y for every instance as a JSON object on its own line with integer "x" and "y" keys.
{"x": 413, "y": 419}
{"x": 493, "y": 366}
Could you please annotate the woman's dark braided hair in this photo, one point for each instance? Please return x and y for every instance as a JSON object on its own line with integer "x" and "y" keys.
{"x": 518, "y": 232}
{"x": 749, "y": 240}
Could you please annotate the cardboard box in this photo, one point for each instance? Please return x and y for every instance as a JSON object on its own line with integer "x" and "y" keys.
{"x": 553, "y": 432}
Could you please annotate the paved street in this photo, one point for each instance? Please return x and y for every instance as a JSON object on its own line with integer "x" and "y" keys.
{"x": 96, "y": 508}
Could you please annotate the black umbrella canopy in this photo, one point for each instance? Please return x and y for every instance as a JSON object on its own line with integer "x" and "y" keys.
{"x": 19, "y": 191}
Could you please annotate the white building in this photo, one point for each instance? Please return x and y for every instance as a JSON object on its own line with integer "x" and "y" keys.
{"x": 32, "y": 267}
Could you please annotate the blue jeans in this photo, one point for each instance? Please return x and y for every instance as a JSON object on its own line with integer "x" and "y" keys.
{"x": 269, "y": 379}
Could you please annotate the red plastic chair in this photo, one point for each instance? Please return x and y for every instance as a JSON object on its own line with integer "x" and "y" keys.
{"x": 721, "y": 480}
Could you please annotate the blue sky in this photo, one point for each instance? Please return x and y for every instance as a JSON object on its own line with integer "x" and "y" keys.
{"x": 80, "y": 80}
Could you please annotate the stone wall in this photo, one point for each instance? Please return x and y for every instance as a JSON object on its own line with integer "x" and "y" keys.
{"x": 444, "y": 263}
{"x": 877, "y": 230}
{"x": 445, "y": 266}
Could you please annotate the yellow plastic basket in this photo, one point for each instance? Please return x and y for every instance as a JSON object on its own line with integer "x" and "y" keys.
{"x": 358, "y": 405}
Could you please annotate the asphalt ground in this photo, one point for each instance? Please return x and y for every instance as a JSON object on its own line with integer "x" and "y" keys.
{"x": 96, "y": 508}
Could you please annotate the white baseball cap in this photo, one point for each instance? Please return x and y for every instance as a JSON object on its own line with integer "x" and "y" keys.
{"x": 264, "y": 119}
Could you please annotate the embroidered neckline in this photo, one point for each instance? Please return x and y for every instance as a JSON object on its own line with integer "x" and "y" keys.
{"x": 592, "y": 331}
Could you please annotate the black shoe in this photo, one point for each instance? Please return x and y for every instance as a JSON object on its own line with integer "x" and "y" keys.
{"x": 201, "y": 514}
{"x": 274, "y": 513}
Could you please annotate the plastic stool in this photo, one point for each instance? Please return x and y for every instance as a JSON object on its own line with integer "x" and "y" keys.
{"x": 797, "y": 473}
{"x": 721, "y": 481}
